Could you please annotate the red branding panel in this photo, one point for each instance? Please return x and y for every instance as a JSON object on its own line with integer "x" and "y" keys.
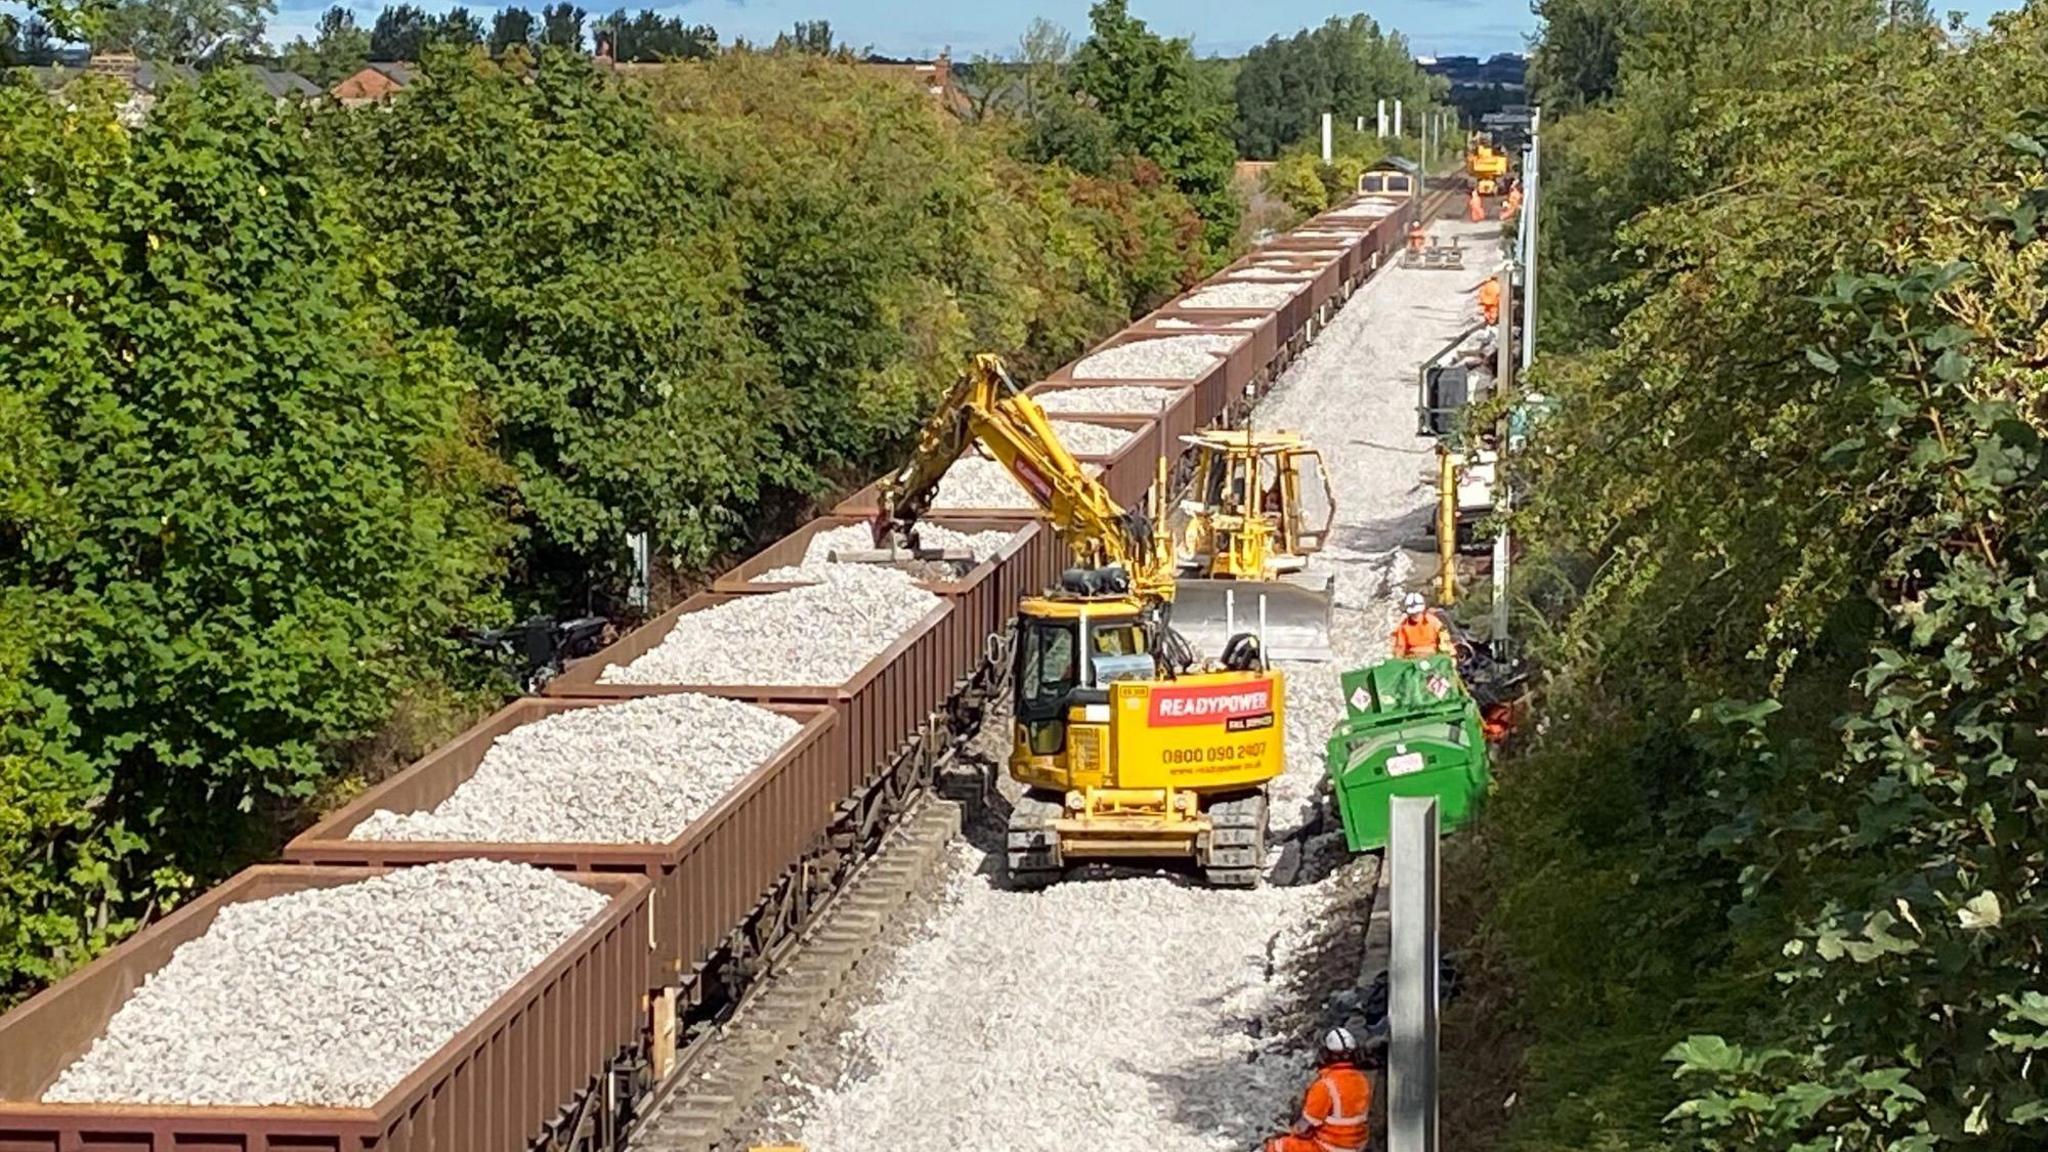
{"x": 1227, "y": 704}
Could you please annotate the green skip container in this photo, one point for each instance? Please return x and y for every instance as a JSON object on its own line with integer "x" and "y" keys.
{"x": 1410, "y": 729}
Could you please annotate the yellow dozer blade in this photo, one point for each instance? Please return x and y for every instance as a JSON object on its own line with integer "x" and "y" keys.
{"x": 1295, "y": 623}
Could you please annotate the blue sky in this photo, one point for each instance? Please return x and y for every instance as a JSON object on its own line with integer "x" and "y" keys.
{"x": 923, "y": 27}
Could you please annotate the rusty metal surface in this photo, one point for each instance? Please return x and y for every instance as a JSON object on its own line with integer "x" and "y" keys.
{"x": 879, "y": 708}
{"x": 491, "y": 1088}
{"x": 702, "y": 879}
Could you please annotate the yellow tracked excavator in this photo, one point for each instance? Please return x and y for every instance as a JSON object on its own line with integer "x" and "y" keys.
{"x": 1129, "y": 744}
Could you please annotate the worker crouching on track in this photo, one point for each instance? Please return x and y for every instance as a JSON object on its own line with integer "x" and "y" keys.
{"x": 1419, "y": 633}
{"x": 1334, "y": 1111}
{"x": 1489, "y": 300}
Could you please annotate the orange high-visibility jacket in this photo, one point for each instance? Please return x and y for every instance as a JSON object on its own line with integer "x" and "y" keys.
{"x": 1336, "y": 1107}
{"x": 1418, "y": 637}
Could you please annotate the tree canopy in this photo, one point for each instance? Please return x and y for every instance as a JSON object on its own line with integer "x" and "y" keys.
{"x": 1769, "y": 876}
{"x": 1344, "y": 67}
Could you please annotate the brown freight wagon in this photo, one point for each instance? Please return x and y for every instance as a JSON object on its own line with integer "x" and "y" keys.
{"x": 1351, "y": 254}
{"x": 1213, "y": 389}
{"x": 1179, "y": 417}
{"x": 541, "y": 1047}
{"x": 1325, "y": 277}
{"x": 984, "y": 597}
{"x": 881, "y": 708}
{"x": 1292, "y": 314}
{"x": 1262, "y": 339}
{"x": 704, "y": 880}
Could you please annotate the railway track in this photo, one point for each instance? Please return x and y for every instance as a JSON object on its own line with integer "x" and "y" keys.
{"x": 753, "y": 916}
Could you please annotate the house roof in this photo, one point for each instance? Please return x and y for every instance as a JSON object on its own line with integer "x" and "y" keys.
{"x": 399, "y": 72}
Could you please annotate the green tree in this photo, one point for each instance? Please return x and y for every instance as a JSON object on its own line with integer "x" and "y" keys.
{"x": 1781, "y": 823}
{"x": 810, "y": 38}
{"x": 401, "y": 34}
{"x": 339, "y": 49}
{"x": 183, "y": 30}
{"x": 1143, "y": 85}
{"x": 650, "y": 36}
{"x": 511, "y": 27}
{"x": 1344, "y": 67}
{"x": 243, "y": 502}
{"x": 458, "y": 28}
{"x": 561, "y": 25}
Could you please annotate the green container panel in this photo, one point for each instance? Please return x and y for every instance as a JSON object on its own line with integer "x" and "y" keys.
{"x": 1412, "y": 731}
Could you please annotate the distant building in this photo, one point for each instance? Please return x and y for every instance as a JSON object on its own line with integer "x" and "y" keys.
{"x": 375, "y": 83}
{"x": 934, "y": 77}
{"x": 146, "y": 79}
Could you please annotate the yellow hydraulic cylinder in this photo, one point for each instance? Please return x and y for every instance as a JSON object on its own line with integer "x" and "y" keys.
{"x": 1446, "y": 527}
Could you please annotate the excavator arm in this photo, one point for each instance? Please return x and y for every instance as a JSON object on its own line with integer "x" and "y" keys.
{"x": 988, "y": 408}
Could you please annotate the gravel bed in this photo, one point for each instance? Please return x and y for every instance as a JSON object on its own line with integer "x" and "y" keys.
{"x": 976, "y": 482}
{"x": 817, "y": 636}
{"x": 818, "y": 564}
{"x": 635, "y": 772}
{"x": 1170, "y": 358}
{"x": 328, "y": 997}
{"x": 1084, "y": 439}
{"x": 999, "y": 1001}
{"x": 1117, "y": 398}
{"x": 1336, "y": 233}
{"x": 1224, "y": 296}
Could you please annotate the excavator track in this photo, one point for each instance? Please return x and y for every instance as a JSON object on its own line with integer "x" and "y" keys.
{"x": 1034, "y": 859}
{"x": 1236, "y": 853}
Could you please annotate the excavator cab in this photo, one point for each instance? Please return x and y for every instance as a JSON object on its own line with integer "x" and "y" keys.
{"x": 1250, "y": 524}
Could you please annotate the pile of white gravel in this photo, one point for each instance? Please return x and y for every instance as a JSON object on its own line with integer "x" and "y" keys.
{"x": 818, "y": 564}
{"x": 1116, "y": 398}
{"x": 328, "y": 997}
{"x": 1243, "y": 322}
{"x": 1168, "y": 358}
{"x": 635, "y": 772}
{"x": 816, "y": 636}
{"x": 1241, "y": 296}
{"x": 1335, "y": 233}
{"x": 1081, "y": 438}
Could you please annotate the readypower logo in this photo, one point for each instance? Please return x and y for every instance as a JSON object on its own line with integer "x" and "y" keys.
{"x": 1234, "y": 705}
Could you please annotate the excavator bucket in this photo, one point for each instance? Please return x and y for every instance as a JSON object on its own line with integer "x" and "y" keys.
{"x": 1296, "y": 623}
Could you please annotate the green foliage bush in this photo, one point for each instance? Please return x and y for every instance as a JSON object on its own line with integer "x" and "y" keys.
{"x": 1344, "y": 67}
{"x": 1782, "y": 830}
{"x": 243, "y": 503}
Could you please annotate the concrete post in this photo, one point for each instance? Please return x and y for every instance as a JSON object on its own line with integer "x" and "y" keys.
{"x": 1397, "y": 119}
{"x": 1383, "y": 119}
{"x": 1412, "y": 991}
{"x": 1326, "y": 138}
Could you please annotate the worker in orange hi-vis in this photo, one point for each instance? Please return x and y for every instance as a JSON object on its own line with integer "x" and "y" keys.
{"x": 1419, "y": 633}
{"x": 1417, "y": 236}
{"x": 1475, "y": 208}
{"x": 1512, "y": 206}
{"x": 1489, "y": 300}
{"x": 1335, "y": 1111}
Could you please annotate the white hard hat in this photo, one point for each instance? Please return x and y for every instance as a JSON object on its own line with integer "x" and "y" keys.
{"x": 1413, "y": 602}
{"x": 1339, "y": 1044}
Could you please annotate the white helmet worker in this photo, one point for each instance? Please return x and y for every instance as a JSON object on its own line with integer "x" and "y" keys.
{"x": 1339, "y": 1046}
{"x": 1414, "y": 604}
